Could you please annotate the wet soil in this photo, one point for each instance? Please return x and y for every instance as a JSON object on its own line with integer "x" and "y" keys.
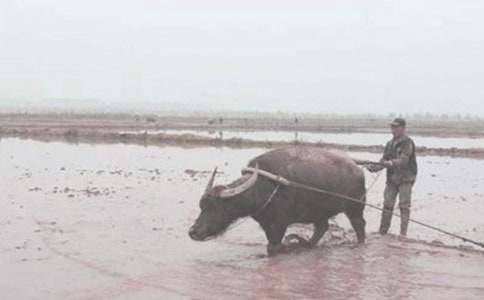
{"x": 94, "y": 221}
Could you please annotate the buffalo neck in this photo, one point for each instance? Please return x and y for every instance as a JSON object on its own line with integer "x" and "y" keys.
{"x": 242, "y": 205}
{"x": 257, "y": 198}
{"x": 252, "y": 201}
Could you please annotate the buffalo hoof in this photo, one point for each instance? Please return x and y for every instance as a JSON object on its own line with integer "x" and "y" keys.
{"x": 299, "y": 240}
{"x": 357, "y": 245}
{"x": 273, "y": 250}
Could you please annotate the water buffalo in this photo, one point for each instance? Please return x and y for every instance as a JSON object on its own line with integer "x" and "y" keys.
{"x": 325, "y": 169}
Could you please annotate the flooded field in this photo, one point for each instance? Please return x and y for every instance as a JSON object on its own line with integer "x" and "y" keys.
{"x": 110, "y": 222}
{"x": 364, "y": 139}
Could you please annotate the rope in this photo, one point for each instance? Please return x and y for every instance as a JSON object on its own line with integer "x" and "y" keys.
{"x": 269, "y": 200}
{"x": 338, "y": 195}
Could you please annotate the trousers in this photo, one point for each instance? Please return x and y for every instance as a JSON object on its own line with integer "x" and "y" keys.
{"x": 392, "y": 190}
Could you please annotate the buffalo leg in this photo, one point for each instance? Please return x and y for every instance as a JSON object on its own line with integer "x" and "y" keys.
{"x": 358, "y": 223}
{"x": 319, "y": 230}
{"x": 274, "y": 234}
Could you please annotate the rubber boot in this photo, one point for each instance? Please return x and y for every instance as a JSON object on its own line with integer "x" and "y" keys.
{"x": 404, "y": 216}
{"x": 386, "y": 220}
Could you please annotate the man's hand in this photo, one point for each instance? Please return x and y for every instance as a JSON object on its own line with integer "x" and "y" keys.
{"x": 373, "y": 168}
{"x": 388, "y": 163}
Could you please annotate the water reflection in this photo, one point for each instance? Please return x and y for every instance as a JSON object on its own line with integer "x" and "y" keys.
{"x": 384, "y": 268}
{"x": 364, "y": 139}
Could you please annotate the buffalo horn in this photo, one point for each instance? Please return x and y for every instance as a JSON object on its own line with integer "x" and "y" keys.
{"x": 211, "y": 181}
{"x": 231, "y": 192}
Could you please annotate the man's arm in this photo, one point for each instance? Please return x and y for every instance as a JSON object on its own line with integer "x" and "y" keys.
{"x": 403, "y": 158}
{"x": 378, "y": 167}
{"x": 385, "y": 160}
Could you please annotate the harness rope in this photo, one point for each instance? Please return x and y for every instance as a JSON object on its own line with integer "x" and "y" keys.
{"x": 286, "y": 182}
{"x": 269, "y": 200}
{"x": 281, "y": 181}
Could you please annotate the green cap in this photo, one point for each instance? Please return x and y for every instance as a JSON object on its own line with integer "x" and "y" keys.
{"x": 398, "y": 122}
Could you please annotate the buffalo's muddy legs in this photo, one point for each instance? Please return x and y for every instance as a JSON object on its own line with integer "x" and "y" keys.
{"x": 358, "y": 225}
{"x": 319, "y": 230}
{"x": 357, "y": 221}
{"x": 274, "y": 234}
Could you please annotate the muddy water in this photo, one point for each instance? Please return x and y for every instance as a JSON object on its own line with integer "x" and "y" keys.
{"x": 110, "y": 222}
{"x": 365, "y": 139}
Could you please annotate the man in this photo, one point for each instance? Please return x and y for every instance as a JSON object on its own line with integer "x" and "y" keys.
{"x": 400, "y": 161}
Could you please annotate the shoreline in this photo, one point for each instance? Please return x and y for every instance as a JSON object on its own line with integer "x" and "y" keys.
{"x": 101, "y": 136}
{"x": 451, "y": 128}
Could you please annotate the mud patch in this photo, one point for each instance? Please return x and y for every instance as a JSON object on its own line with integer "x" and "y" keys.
{"x": 124, "y": 234}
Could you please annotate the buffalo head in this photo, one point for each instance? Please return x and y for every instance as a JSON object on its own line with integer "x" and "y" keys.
{"x": 220, "y": 207}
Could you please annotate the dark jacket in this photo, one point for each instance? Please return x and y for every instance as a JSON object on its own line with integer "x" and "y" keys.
{"x": 401, "y": 151}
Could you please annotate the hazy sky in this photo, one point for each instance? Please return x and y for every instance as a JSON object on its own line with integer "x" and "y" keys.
{"x": 342, "y": 56}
